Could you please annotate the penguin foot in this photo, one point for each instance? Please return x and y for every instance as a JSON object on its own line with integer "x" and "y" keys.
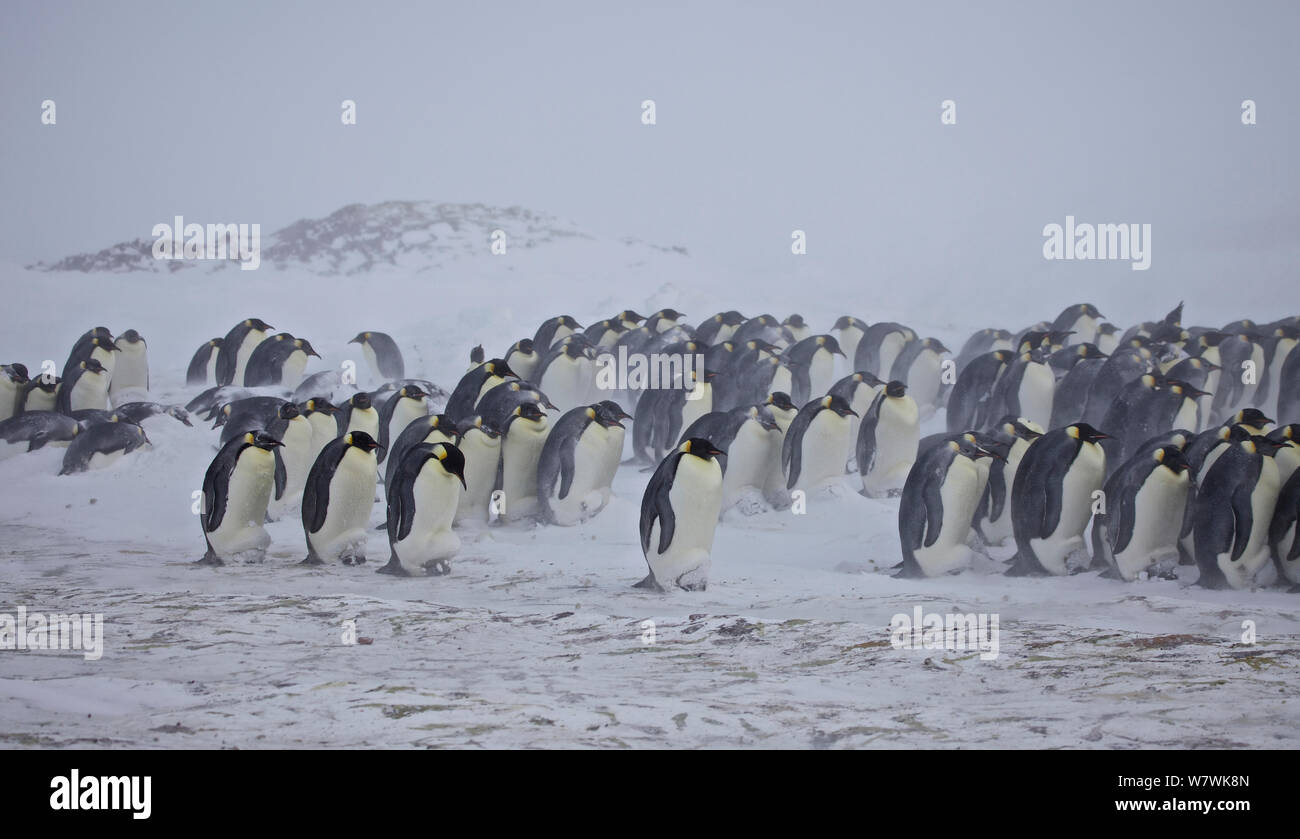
{"x": 650, "y": 583}
{"x": 312, "y": 559}
{"x": 1293, "y": 590}
{"x": 211, "y": 559}
{"x": 394, "y": 568}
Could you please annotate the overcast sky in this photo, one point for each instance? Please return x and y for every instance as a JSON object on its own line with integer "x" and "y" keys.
{"x": 770, "y": 117}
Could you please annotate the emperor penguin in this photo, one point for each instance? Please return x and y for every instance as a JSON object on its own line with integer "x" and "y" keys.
{"x": 39, "y": 393}
{"x": 473, "y": 385}
{"x": 811, "y": 362}
{"x": 1283, "y": 339}
{"x": 615, "y": 434}
{"x": 12, "y": 378}
{"x": 1238, "y": 354}
{"x": 938, "y": 503}
{"x": 1082, "y": 319}
{"x": 407, "y": 404}
{"x": 568, "y": 374}
{"x": 497, "y": 404}
{"x": 604, "y": 334}
{"x": 859, "y": 389}
{"x": 523, "y": 358}
{"x": 992, "y": 522}
{"x": 1070, "y": 400}
{"x": 1108, "y": 336}
{"x": 1234, "y": 507}
{"x": 797, "y": 328}
{"x": 101, "y": 445}
{"x": 97, "y": 344}
{"x": 663, "y": 320}
{"x": 1282, "y": 535}
{"x": 574, "y": 463}
{"x": 294, "y": 459}
{"x": 359, "y": 414}
{"x": 552, "y": 331}
{"x": 130, "y": 379}
{"x": 1287, "y": 457}
{"x": 279, "y": 361}
{"x": 320, "y": 412}
{"x": 920, "y": 367}
{"x": 1288, "y": 390}
{"x": 426, "y": 428}
{"x": 721, "y": 327}
{"x": 521, "y": 449}
{"x": 679, "y": 516}
{"x": 849, "y": 330}
{"x": 236, "y": 347}
{"x": 236, "y": 491}
{"x": 1143, "y": 518}
{"x": 981, "y": 343}
{"x": 32, "y": 430}
{"x": 1052, "y": 498}
{"x": 783, "y": 409}
{"x": 476, "y": 356}
{"x": 816, "y": 446}
{"x": 629, "y": 318}
{"x": 480, "y": 444}
{"x": 880, "y": 345}
{"x": 887, "y": 441}
{"x": 203, "y": 365}
{"x": 1027, "y": 389}
{"x": 971, "y": 399}
{"x": 422, "y": 500}
{"x": 84, "y": 386}
{"x": 337, "y": 500}
{"x": 382, "y": 355}
{"x": 752, "y": 442}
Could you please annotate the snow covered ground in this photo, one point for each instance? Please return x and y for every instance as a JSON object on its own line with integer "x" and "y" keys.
{"x": 536, "y": 638}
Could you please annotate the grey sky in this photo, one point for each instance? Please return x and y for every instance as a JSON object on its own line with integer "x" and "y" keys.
{"x": 771, "y": 117}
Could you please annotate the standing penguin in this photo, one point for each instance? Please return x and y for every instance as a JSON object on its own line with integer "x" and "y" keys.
{"x": 1052, "y": 497}
{"x": 203, "y": 365}
{"x": 523, "y": 358}
{"x": 552, "y": 331}
{"x": 1234, "y": 508}
{"x": 1082, "y": 319}
{"x": 573, "y": 465}
{"x": 939, "y": 500}
{"x": 1145, "y": 503}
{"x": 816, "y": 446}
{"x": 859, "y": 389}
{"x": 279, "y": 360}
{"x": 752, "y": 442}
{"x": 887, "y": 441}
{"x": 101, "y": 445}
{"x": 849, "y": 331}
{"x": 812, "y": 365}
{"x": 38, "y": 393}
{"x": 426, "y": 428}
{"x": 972, "y": 396}
{"x": 920, "y": 367}
{"x": 879, "y": 347}
{"x": 382, "y": 355}
{"x": 679, "y": 515}
{"x": 473, "y": 385}
{"x": 358, "y": 414}
{"x": 422, "y": 500}
{"x": 406, "y": 405}
{"x": 992, "y": 521}
{"x": 337, "y": 499}
{"x": 236, "y": 347}
{"x": 97, "y": 344}
{"x": 320, "y": 412}
{"x": 130, "y": 379}
{"x": 236, "y": 490}
{"x": 1027, "y": 389}
{"x": 480, "y": 444}
{"x": 294, "y": 459}
{"x": 1282, "y": 532}
{"x": 521, "y": 449}
{"x": 568, "y": 374}
{"x": 84, "y": 387}
{"x": 721, "y": 327}
{"x": 12, "y": 379}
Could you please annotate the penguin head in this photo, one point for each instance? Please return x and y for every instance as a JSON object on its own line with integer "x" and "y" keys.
{"x": 1212, "y": 338}
{"x": 668, "y": 314}
{"x": 215, "y": 343}
{"x": 288, "y": 411}
{"x": 1057, "y": 338}
{"x": 476, "y": 355}
{"x": 1087, "y": 350}
{"x": 361, "y": 440}
{"x": 1184, "y": 389}
{"x": 360, "y": 401}
{"x": 1084, "y": 432}
{"x": 318, "y": 405}
{"x": 106, "y": 344}
{"x": 762, "y": 414}
{"x": 795, "y": 321}
{"x": 867, "y": 378}
{"x": 305, "y": 345}
{"x": 1286, "y": 432}
{"x": 838, "y": 405}
{"x": 524, "y": 346}
{"x": 780, "y": 399}
{"x": 1107, "y": 329}
{"x": 475, "y": 422}
{"x": 1267, "y": 446}
{"x": 731, "y": 318}
{"x": 131, "y": 337}
{"x": 575, "y": 349}
{"x": 934, "y": 345}
{"x": 412, "y": 392}
{"x": 828, "y": 343}
{"x": 1251, "y": 417}
{"x": 452, "y": 460}
{"x": 260, "y": 440}
{"x": 1031, "y": 340}
{"x": 895, "y": 389}
{"x": 362, "y": 338}
{"x": 966, "y": 445}
{"x": 701, "y": 448}
{"x": 1089, "y": 310}
{"x": 1172, "y": 458}
{"x": 440, "y": 421}
{"x": 1004, "y": 356}
{"x": 17, "y": 373}
{"x": 845, "y": 321}
{"x": 92, "y": 365}
{"x": 258, "y": 324}
{"x": 498, "y": 367}
{"x": 530, "y": 411}
{"x": 610, "y": 413}
{"x": 629, "y": 315}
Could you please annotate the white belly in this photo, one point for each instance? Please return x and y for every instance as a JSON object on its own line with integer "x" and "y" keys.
{"x": 999, "y": 530}
{"x": 693, "y": 409}
{"x": 782, "y": 382}
{"x": 848, "y": 339}
{"x": 482, "y": 453}
{"x": 923, "y": 381}
{"x": 898, "y": 433}
{"x": 1158, "y": 507}
{"x": 825, "y": 450}
{"x": 8, "y": 398}
{"x": 749, "y": 461}
{"x": 1081, "y": 481}
{"x": 38, "y": 400}
{"x": 241, "y": 530}
{"x": 821, "y": 373}
{"x": 1085, "y": 330}
{"x": 1188, "y": 415}
{"x": 568, "y": 383}
{"x": 519, "y": 454}
{"x": 323, "y": 429}
{"x": 696, "y": 498}
{"x": 1211, "y": 355}
{"x": 1280, "y": 352}
{"x": 406, "y": 412}
{"x": 298, "y": 457}
{"x": 1037, "y": 390}
{"x": 130, "y": 374}
{"x": 436, "y": 495}
{"x": 1287, "y": 460}
{"x": 960, "y": 493}
{"x": 587, "y": 493}
{"x": 614, "y": 454}
{"x": 292, "y": 369}
{"x": 889, "y": 350}
{"x": 90, "y": 391}
{"x": 251, "y": 340}
{"x": 1263, "y": 501}
{"x": 364, "y": 420}
{"x": 352, "y": 495}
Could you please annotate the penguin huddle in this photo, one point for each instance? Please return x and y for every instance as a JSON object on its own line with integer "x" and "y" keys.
{"x": 95, "y": 409}
{"x": 1163, "y": 437}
